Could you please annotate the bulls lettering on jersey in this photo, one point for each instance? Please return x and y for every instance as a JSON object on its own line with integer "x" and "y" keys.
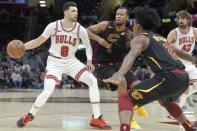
{"x": 65, "y": 39}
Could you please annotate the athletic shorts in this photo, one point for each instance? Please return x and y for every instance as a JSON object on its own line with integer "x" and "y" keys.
{"x": 106, "y": 71}
{"x": 165, "y": 86}
{"x": 69, "y": 66}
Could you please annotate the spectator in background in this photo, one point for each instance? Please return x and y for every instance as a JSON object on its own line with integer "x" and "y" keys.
{"x": 142, "y": 73}
{"x": 16, "y": 79}
{"x": 26, "y": 75}
{"x": 2, "y": 78}
{"x": 38, "y": 79}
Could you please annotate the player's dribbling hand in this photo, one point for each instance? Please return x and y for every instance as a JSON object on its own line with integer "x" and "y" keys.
{"x": 105, "y": 44}
{"x": 90, "y": 66}
{"x": 115, "y": 79}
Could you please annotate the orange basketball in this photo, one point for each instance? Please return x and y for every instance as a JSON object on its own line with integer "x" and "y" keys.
{"x": 15, "y": 49}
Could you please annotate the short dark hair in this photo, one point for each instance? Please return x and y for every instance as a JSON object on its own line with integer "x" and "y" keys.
{"x": 125, "y": 8}
{"x": 184, "y": 14}
{"x": 147, "y": 17}
{"x": 67, "y": 5}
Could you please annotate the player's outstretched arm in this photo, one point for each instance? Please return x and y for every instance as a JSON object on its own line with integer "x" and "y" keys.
{"x": 49, "y": 30}
{"x": 35, "y": 43}
{"x": 137, "y": 45}
{"x": 86, "y": 41}
{"x": 93, "y": 30}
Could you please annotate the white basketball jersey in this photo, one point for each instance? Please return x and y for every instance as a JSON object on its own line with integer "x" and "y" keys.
{"x": 185, "y": 42}
{"x": 64, "y": 42}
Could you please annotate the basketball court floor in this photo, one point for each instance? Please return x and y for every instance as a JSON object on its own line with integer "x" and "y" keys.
{"x": 69, "y": 110}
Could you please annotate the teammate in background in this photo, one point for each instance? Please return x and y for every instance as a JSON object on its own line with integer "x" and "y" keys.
{"x": 170, "y": 79}
{"x": 183, "y": 38}
{"x": 113, "y": 43}
{"x": 65, "y": 36}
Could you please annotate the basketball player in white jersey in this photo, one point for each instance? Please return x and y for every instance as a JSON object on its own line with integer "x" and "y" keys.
{"x": 183, "y": 39}
{"x": 65, "y": 36}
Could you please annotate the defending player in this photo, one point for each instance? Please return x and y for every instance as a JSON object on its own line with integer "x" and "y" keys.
{"x": 113, "y": 43}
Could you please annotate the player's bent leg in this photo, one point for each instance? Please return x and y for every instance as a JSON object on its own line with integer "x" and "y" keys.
{"x": 139, "y": 110}
{"x": 49, "y": 87}
{"x": 122, "y": 89}
{"x": 191, "y": 90}
{"x": 125, "y": 109}
{"x": 175, "y": 111}
{"x": 91, "y": 81}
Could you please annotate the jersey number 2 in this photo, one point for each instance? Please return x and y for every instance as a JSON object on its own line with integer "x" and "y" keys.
{"x": 64, "y": 51}
{"x": 186, "y": 47}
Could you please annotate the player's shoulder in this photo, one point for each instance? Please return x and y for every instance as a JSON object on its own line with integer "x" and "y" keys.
{"x": 195, "y": 32}
{"x": 173, "y": 33}
{"x": 104, "y": 23}
{"x": 81, "y": 27}
{"x": 195, "y": 29}
{"x": 53, "y": 24}
{"x": 140, "y": 38}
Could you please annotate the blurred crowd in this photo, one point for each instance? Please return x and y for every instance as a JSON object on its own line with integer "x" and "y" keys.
{"x": 28, "y": 72}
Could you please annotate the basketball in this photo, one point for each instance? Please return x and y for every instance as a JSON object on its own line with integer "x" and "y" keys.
{"x": 15, "y": 49}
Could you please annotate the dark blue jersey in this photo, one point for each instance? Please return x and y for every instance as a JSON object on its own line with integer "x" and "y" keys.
{"x": 159, "y": 55}
{"x": 118, "y": 40}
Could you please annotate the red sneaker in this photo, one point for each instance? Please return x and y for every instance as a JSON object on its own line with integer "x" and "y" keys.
{"x": 24, "y": 120}
{"x": 100, "y": 123}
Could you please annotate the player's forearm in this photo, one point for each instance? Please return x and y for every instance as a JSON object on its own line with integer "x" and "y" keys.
{"x": 32, "y": 44}
{"x": 126, "y": 65}
{"x": 89, "y": 53}
{"x": 93, "y": 36}
{"x": 35, "y": 43}
{"x": 185, "y": 56}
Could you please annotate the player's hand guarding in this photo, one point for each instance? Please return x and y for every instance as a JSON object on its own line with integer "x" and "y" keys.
{"x": 90, "y": 66}
{"x": 105, "y": 44}
{"x": 115, "y": 79}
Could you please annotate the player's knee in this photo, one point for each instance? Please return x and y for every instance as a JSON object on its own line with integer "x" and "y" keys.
{"x": 90, "y": 80}
{"x": 124, "y": 102}
{"x": 123, "y": 83}
{"x": 94, "y": 80}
